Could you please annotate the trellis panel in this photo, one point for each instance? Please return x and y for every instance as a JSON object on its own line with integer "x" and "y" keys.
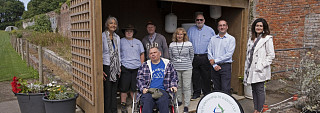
{"x": 81, "y": 49}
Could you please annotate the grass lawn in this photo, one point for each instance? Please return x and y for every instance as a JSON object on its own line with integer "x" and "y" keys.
{"x": 11, "y": 63}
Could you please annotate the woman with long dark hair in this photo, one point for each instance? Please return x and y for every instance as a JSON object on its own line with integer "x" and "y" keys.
{"x": 260, "y": 53}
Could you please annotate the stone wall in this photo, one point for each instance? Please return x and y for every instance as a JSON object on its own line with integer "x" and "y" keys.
{"x": 53, "y": 17}
{"x": 58, "y": 61}
{"x": 294, "y": 24}
{"x": 27, "y": 23}
{"x": 51, "y": 57}
{"x": 60, "y": 23}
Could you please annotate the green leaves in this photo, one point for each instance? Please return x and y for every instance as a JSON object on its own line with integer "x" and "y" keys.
{"x": 59, "y": 92}
{"x": 36, "y": 7}
{"x": 10, "y": 11}
{"x": 42, "y": 23}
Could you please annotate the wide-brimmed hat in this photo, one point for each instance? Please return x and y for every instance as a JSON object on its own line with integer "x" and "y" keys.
{"x": 129, "y": 27}
{"x": 150, "y": 23}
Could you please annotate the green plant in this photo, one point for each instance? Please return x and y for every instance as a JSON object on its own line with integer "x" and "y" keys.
{"x": 59, "y": 91}
{"x": 16, "y": 33}
{"x": 46, "y": 38}
{"x": 68, "y": 2}
{"x": 19, "y": 24}
{"x": 42, "y": 23}
{"x": 23, "y": 86}
{"x": 308, "y": 81}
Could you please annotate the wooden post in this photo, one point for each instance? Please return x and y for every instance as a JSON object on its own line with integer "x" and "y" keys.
{"x": 17, "y": 45}
{"x": 40, "y": 64}
{"x": 27, "y": 53}
{"x": 21, "y": 48}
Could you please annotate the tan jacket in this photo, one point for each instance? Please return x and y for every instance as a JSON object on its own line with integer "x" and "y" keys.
{"x": 263, "y": 55}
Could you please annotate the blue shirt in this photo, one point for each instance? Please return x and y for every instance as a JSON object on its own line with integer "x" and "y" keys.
{"x": 130, "y": 51}
{"x": 200, "y": 38}
{"x": 221, "y": 49}
{"x": 157, "y": 75}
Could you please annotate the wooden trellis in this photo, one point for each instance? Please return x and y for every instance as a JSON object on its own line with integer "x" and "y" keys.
{"x": 82, "y": 54}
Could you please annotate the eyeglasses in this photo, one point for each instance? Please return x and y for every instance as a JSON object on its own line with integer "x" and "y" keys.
{"x": 199, "y": 19}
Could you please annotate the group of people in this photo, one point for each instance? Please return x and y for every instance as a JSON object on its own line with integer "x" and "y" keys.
{"x": 196, "y": 57}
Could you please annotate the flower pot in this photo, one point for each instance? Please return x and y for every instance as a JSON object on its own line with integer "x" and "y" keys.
{"x": 60, "y": 106}
{"x": 248, "y": 91}
{"x": 31, "y": 102}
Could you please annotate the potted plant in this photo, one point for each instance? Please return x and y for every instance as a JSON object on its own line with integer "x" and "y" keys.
{"x": 29, "y": 95}
{"x": 60, "y": 98}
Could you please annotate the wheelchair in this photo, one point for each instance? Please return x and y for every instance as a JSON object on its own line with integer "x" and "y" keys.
{"x": 173, "y": 106}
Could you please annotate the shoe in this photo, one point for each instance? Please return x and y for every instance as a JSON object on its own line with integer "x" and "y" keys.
{"x": 185, "y": 110}
{"x": 123, "y": 107}
{"x": 179, "y": 103}
{"x": 194, "y": 97}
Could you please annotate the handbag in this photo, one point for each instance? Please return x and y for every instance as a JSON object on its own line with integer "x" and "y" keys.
{"x": 155, "y": 92}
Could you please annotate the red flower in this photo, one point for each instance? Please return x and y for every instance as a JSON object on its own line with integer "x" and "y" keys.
{"x": 15, "y": 85}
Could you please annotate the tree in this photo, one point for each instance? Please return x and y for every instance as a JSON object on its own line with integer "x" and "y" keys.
{"x": 36, "y": 7}
{"x": 10, "y": 12}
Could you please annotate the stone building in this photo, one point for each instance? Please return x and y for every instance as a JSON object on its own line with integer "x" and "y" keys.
{"x": 64, "y": 21}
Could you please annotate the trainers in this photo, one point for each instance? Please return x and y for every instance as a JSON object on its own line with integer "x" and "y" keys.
{"x": 185, "y": 110}
{"x": 123, "y": 107}
{"x": 194, "y": 97}
{"x": 179, "y": 103}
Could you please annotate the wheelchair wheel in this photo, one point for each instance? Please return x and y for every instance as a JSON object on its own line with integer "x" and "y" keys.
{"x": 173, "y": 110}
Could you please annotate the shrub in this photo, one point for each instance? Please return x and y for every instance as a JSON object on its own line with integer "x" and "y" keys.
{"x": 42, "y": 23}
{"x": 307, "y": 79}
{"x": 16, "y": 33}
{"x": 18, "y": 24}
{"x": 53, "y": 41}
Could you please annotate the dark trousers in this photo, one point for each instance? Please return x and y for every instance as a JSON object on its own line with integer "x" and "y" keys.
{"x": 162, "y": 102}
{"x": 201, "y": 75}
{"x": 110, "y": 92}
{"x": 258, "y": 94}
{"x": 222, "y": 79}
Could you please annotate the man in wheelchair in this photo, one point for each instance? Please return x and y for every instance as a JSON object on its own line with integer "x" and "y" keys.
{"x": 155, "y": 78}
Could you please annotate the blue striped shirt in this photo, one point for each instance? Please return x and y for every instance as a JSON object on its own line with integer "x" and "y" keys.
{"x": 200, "y": 38}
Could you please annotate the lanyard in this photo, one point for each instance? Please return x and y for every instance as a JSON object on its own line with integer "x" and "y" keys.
{"x": 179, "y": 52}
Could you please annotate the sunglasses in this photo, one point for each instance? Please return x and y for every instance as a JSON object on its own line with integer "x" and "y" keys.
{"x": 199, "y": 19}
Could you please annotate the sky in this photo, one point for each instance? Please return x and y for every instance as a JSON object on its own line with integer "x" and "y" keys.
{"x": 25, "y": 2}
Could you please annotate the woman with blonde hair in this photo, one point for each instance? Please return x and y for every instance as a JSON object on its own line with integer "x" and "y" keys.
{"x": 181, "y": 55}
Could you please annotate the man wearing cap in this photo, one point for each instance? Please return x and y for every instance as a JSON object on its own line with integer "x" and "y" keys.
{"x": 200, "y": 35}
{"x": 154, "y": 39}
{"x": 132, "y": 56}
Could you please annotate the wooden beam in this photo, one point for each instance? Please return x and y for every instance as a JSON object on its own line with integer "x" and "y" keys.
{"x": 227, "y": 3}
{"x": 243, "y": 46}
{"x": 96, "y": 31}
